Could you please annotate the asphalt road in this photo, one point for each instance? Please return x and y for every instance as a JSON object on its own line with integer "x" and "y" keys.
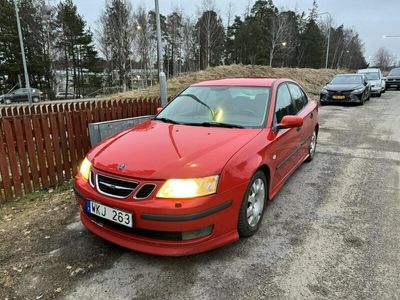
{"x": 333, "y": 232}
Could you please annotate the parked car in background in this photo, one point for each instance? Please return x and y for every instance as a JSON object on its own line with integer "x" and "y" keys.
{"x": 393, "y": 79}
{"x": 352, "y": 88}
{"x": 64, "y": 95}
{"x": 375, "y": 78}
{"x": 21, "y": 95}
{"x": 198, "y": 175}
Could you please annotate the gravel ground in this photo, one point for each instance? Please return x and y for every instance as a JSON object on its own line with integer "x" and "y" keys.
{"x": 331, "y": 233}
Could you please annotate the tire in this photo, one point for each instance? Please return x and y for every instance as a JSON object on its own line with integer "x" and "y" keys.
{"x": 35, "y": 99}
{"x": 257, "y": 190}
{"x": 380, "y": 94}
{"x": 313, "y": 146}
{"x": 7, "y": 101}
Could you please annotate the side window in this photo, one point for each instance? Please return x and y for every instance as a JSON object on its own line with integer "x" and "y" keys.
{"x": 284, "y": 105}
{"x": 299, "y": 98}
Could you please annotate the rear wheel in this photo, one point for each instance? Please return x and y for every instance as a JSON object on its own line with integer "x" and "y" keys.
{"x": 35, "y": 99}
{"x": 313, "y": 147}
{"x": 7, "y": 101}
{"x": 253, "y": 204}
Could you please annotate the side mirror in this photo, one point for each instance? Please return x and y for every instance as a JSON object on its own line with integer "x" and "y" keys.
{"x": 290, "y": 122}
{"x": 159, "y": 109}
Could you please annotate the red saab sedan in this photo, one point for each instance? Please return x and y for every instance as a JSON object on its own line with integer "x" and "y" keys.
{"x": 197, "y": 175}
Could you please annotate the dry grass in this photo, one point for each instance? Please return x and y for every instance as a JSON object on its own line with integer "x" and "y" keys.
{"x": 312, "y": 80}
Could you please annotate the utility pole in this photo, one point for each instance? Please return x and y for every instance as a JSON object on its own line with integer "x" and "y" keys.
{"x": 162, "y": 78}
{"x": 21, "y": 43}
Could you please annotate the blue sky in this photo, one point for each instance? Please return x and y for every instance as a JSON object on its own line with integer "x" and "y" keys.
{"x": 371, "y": 18}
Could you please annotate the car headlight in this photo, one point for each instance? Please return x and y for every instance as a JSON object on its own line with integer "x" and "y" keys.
{"x": 84, "y": 169}
{"x": 324, "y": 91}
{"x": 189, "y": 188}
{"x": 360, "y": 90}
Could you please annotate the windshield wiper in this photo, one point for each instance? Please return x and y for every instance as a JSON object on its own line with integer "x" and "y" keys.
{"x": 216, "y": 124}
{"x": 166, "y": 120}
{"x": 199, "y": 101}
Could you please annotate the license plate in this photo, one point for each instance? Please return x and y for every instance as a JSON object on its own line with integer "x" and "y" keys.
{"x": 393, "y": 85}
{"x": 339, "y": 97}
{"x": 112, "y": 214}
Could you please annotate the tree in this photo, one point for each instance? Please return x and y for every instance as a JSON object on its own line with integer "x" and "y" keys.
{"x": 189, "y": 46}
{"x": 145, "y": 44}
{"x": 37, "y": 35}
{"x": 383, "y": 58}
{"x": 173, "y": 48}
{"x": 116, "y": 34}
{"x": 311, "y": 43}
{"x": 211, "y": 35}
{"x": 74, "y": 42}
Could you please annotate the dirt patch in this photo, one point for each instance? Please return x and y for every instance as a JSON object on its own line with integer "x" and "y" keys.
{"x": 311, "y": 79}
{"x": 43, "y": 247}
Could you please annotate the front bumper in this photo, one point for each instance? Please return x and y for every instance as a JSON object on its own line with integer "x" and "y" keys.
{"x": 392, "y": 83}
{"x": 376, "y": 90}
{"x": 349, "y": 97}
{"x": 156, "y": 220}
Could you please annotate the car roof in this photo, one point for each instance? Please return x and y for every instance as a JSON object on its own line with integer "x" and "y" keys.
{"x": 264, "y": 82}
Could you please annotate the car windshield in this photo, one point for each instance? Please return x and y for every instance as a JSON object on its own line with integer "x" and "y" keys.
{"x": 218, "y": 105}
{"x": 346, "y": 80}
{"x": 395, "y": 72}
{"x": 372, "y": 76}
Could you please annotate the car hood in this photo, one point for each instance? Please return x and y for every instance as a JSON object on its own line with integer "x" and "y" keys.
{"x": 374, "y": 82}
{"x": 393, "y": 77}
{"x": 343, "y": 87}
{"x": 156, "y": 150}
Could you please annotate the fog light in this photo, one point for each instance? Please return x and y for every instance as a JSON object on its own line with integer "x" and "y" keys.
{"x": 195, "y": 234}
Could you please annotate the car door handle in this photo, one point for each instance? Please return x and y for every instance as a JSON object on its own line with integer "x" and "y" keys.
{"x": 311, "y": 115}
{"x": 298, "y": 128}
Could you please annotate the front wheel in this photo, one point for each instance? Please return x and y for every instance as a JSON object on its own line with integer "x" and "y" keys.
{"x": 253, "y": 203}
{"x": 35, "y": 99}
{"x": 313, "y": 147}
{"x": 7, "y": 101}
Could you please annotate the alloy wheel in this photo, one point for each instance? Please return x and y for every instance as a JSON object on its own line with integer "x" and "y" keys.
{"x": 255, "y": 202}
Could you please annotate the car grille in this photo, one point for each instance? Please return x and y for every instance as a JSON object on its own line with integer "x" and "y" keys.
{"x": 120, "y": 188}
{"x": 145, "y": 191}
{"x": 113, "y": 187}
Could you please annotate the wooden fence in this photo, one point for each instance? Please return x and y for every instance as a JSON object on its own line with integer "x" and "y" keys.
{"x": 42, "y": 146}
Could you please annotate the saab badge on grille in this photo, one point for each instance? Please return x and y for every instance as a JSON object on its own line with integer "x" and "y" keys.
{"x": 122, "y": 167}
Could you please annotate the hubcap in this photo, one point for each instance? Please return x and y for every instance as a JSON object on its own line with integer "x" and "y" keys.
{"x": 255, "y": 202}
